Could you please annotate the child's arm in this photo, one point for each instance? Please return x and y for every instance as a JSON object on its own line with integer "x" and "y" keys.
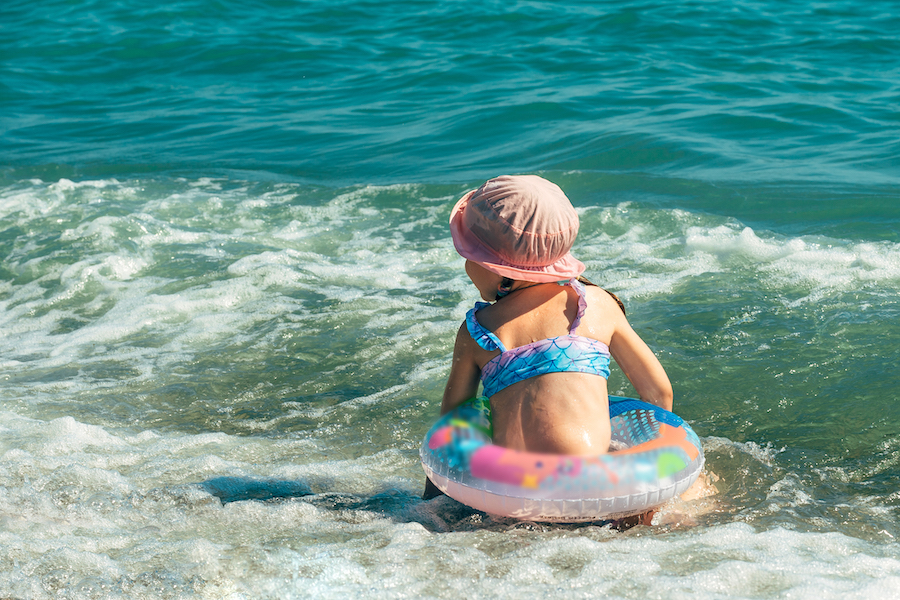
{"x": 639, "y": 364}
{"x": 462, "y": 384}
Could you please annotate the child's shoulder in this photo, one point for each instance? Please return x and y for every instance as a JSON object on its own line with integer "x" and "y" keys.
{"x": 597, "y": 296}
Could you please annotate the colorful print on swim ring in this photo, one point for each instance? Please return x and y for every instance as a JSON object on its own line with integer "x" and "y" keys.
{"x": 659, "y": 457}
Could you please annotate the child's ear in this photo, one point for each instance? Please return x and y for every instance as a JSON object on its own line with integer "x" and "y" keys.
{"x": 504, "y": 288}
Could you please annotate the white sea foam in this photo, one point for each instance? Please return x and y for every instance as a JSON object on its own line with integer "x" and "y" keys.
{"x": 290, "y": 354}
{"x": 648, "y": 253}
{"x": 650, "y": 256}
{"x": 155, "y": 524}
{"x": 819, "y": 264}
{"x": 763, "y": 454}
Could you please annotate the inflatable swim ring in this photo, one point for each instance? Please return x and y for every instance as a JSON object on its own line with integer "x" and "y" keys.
{"x": 659, "y": 458}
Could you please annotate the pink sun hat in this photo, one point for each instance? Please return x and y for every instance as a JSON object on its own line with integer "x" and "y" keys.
{"x": 518, "y": 226}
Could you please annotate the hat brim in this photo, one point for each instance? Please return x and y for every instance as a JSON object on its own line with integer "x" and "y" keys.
{"x": 470, "y": 247}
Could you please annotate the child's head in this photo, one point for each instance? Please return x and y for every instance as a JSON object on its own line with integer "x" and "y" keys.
{"x": 518, "y": 226}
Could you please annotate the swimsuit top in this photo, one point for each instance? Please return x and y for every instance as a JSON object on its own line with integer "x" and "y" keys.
{"x": 562, "y": 354}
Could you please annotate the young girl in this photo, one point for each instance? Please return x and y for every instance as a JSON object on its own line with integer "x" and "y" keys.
{"x": 542, "y": 348}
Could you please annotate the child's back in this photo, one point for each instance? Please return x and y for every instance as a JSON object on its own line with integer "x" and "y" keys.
{"x": 542, "y": 349}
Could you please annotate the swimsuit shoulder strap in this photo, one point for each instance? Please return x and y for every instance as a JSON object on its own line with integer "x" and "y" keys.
{"x": 582, "y": 301}
{"x": 482, "y": 336}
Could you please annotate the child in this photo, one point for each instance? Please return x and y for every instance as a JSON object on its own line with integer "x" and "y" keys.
{"x": 542, "y": 349}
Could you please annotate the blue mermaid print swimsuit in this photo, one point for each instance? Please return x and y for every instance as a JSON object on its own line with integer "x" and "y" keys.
{"x": 562, "y": 354}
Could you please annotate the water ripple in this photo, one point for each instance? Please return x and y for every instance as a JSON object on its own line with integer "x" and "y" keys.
{"x": 360, "y": 91}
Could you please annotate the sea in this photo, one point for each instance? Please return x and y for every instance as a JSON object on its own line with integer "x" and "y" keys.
{"x": 228, "y": 293}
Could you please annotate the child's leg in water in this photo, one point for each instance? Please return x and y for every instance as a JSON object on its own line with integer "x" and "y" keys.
{"x": 677, "y": 510}
{"x": 431, "y": 490}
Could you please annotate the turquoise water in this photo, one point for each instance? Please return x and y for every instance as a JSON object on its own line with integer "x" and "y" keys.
{"x": 228, "y": 294}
